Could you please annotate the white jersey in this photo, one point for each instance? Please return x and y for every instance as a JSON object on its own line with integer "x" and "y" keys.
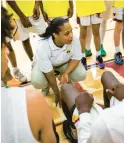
{"x": 15, "y": 126}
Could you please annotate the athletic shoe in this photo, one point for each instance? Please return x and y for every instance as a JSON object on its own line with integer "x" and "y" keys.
{"x": 56, "y": 72}
{"x": 2, "y": 84}
{"x": 88, "y": 53}
{"x": 68, "y": 132}
{"x": 118, "y": 58}
{"x": 45, "y": 91}
{"x": 84, "y": 62}
{"x": 100, "y": 62}
{"x": 102, "y": 50}
{"x": 19, "y": 76}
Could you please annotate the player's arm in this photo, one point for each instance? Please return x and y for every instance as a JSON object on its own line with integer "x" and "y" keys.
{"x": 45, "y": 15}
{"x": 25, "y": 21}
{"x": 40, "y": 117}
{"x": 70, "y": 10}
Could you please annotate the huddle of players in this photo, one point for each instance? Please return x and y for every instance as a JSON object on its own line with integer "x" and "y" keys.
{"x": 91, "y": 16}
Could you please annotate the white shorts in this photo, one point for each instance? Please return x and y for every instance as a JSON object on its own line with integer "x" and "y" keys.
{"x": 118, "y": 14}
{"x": 88, "y": 20}
{"x": 38, "y": 26}
{"x": 109, "y": 10}
{"x": 51, "y": 18}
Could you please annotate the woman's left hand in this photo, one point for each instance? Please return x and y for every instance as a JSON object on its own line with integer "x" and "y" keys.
{"x": 64, "y": 78}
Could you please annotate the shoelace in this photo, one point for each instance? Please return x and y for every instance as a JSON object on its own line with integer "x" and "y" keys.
{"x": 2, "y": 84}
{"x": 19, "y": 74}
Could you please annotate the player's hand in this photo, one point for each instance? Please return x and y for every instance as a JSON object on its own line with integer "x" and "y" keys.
{"x": 36, "y": 12}
{"x": 117, "y": 91}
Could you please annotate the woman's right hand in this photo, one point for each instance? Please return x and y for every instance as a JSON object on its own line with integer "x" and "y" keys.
{"x": 63, "y": 78}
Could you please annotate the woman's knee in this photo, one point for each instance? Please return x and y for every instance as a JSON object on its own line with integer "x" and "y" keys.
{"x": 38, "y": 85}
{"x": 79, "y": 73}
{"x": 81, "y": 76}
{"x": 38, "y": 80}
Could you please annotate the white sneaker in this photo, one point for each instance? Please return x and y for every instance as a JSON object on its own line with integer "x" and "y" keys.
{"x": 2, "y": 84}
{"x": 19, "y": 76}
{"x": 45, "y": 91}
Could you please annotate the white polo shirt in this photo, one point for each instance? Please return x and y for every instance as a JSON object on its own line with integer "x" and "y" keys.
{"x": 48, "y": 55}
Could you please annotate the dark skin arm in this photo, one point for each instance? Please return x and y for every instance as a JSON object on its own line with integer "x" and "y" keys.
{"x": 72, "y": 65}
{"x": 36, "y": 10}
{"x": 70, "y": 10}
{"x": 40, "y": 117}
{"x": 45, "y": 15}
{"x": 25, "y": 21}
{"x": 53, "y": 84}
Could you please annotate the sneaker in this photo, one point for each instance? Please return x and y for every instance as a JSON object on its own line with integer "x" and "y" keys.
{"x": 100, "y": 62}
{"x": 2, "y": 84}
{"x": 118, "y": 58}
{"x": 45, "y": 91}
{"x": 56, "y": 72}
{"x": 103, "y": 52}
{"x": 84, "y": 62}
{"x": 19, "y": 76}
{"x": 68, "y": 132}
{"x": 88, "y": 53}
